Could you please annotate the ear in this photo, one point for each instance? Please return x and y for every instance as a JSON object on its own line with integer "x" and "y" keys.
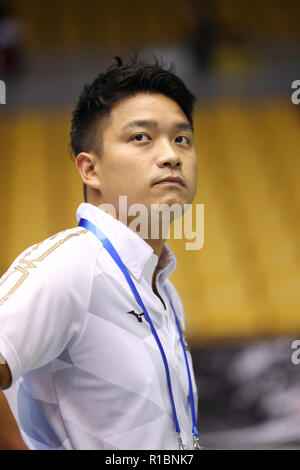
{"x": 86, "y": 165}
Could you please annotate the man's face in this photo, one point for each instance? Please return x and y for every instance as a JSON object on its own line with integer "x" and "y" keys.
{"x": 147, "y": 138}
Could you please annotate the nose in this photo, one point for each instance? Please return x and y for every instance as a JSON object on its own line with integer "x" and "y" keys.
{"x": 168, "y": 157}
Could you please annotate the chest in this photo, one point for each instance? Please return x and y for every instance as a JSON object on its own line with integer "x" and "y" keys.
{"x": 118, "y": 346}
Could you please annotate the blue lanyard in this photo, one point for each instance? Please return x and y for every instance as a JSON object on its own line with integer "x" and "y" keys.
{"x": 111, "y": 250}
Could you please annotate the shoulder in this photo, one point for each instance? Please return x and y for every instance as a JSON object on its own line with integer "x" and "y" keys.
{"x": 72, "y": 245}
{"x": 64, "y": 259}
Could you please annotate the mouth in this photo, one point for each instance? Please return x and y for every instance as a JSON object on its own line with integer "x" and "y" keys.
{"x": 171, "y": 180}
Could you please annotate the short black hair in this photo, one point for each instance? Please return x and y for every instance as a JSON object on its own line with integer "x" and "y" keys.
{"x": 118, "y": 82}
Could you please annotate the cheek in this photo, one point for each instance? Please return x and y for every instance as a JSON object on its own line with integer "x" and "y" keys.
{"x": 194, "y": 179}
{"x": 194, "y": 171}
{"x": 116, "y": 173}
{"x": 127, "y": 177}
{"x": 122, "y": 161}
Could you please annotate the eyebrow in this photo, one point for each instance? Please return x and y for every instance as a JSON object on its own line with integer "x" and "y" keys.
{"x": 154, "y": 124}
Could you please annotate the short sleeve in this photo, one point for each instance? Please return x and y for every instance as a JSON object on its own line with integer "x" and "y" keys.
{"x": 44, "y": 299}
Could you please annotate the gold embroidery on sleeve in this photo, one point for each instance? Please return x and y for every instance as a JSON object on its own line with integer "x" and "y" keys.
{"x": 25, "y": 265}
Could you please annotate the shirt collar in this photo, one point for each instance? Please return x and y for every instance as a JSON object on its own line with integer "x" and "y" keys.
{"x": 137, "y": 255}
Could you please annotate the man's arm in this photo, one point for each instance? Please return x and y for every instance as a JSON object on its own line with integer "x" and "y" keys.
{"x": 10, "y": 437}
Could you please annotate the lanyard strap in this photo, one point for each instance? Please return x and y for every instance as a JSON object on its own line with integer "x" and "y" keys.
{"x": 195, "y": 430}
{"x": 111, "y": 250}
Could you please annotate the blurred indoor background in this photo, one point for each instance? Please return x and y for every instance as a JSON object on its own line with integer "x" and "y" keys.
{"x": 241, "y": 291}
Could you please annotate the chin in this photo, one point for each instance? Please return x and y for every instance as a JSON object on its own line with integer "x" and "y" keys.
{"x": 173, "y": 199}
{"x": 166, "y": 206}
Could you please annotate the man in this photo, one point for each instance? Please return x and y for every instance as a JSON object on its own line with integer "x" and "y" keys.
{"x": 97, "y": 365}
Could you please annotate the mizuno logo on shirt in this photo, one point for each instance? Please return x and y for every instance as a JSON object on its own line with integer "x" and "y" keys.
{"x": 137, "y": 315}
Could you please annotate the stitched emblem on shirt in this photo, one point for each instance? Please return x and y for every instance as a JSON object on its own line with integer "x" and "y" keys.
{"x": 137, "y": 315}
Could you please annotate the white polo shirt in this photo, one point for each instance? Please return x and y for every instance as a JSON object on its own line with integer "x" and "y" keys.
{"x": 88, "y": 370}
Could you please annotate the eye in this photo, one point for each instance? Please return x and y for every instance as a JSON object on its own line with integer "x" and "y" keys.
{"x": 183, "y": 137}
{"x": 139, "y": 137}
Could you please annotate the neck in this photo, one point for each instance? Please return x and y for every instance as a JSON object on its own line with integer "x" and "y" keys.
{"x": 157, "y": 245}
